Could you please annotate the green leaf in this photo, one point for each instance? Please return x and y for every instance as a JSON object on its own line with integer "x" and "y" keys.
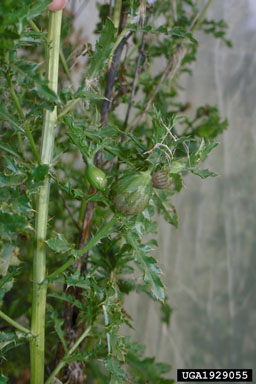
{"x": 12, "y": 180}
{"x": 11, "y": 339}
{"x": 7, "y": 338}
{"x": 8, "y": 258}
{"x": 147, "y": 370}
{"x": 163, "y": 29}
{"x": 68, "y": 298}
{"x": 116, "y": 373}
{"x": 39, "y": 172}
{"x": 166, "y": 313}
{"x": 177, "y": 167}
{"x": 167, "y": 208}
{"x": 57, "y": 322}
{"x": 105, "y": 231}
{"x": 6, "y": 116}
{"x": 83, "y": 92}
{"x": 21, "y": 205}
{"x": 77, "y": 137}
{"x": 6, "y": 282}
{"x": 7, "y": 148}
{"x": 37, "y": 9}
{"x": 59, "y": 244}
{"x": 103, "y": 48}
{"x": 148, "y": 265}
{"x": 10, "y": 222}
{"x": 3, "y": 379}
{"x": 203, "y": 173}
{"x": 204, "y": 149}
{"x": 30, "y": 70}
{"x": 76, "y": 193}
{"x": 210, "y": 122}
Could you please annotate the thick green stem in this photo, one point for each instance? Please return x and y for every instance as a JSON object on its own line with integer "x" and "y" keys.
{"x": 39, "y": 263}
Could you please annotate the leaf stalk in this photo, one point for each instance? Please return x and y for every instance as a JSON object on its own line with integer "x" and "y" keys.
{"x": 63, "y": 362}
{"x": 14, "y": 323}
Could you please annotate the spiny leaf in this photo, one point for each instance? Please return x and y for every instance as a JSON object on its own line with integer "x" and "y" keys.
{"x": 7, "y": 148}
{"x": 59, "y": 244}
{"x": 68, "y": 298}
{"x": 8, "y": 258}
{"x": 148, "y": 370}
{"x": 6, "y": 116}
{"x": 12, "y": 180}
{"x": 6, "y": 282}
{"x": 204, "y": 149}
{"x": 30, "y": 70}
{"x": 77, "y": 137}
{"x": 39, "y": 172}
{"x": 15, "y": 272}
{"x": 176, "y": 31}
{"x": 103, "y": 48}
{"x": 203, "y": 173}
{"x": 167, "y": 208}
{"x": 83, "y": 92}
{"x": 11, "y": 339}
{"x": 10, "y": 222}
{"x": 148, "y": 266}
{"x": 57, "y": 322}
{"x": 177, "y": 167}
{"x": 116, "y": 373}
{"x": 37, "y": 9}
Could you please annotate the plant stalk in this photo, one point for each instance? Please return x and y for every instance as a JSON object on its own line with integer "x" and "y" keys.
{"x": 63, "y": 362}
{"x": 201, "y": 16}
{"x": 37, "y": 347}
{"x": 14, "y": 323}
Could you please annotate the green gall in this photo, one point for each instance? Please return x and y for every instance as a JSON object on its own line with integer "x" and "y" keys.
{"x": 96, "y": 177}
{"x": 131, "y": 193}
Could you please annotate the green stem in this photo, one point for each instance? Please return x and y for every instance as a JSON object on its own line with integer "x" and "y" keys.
{"x": 32, "y": 143}
{"x": 33, "y": 26}
{"x": 65, "y": 67}
{"x": 63, "y": 362}
{"x": 15, "y": 98}
{"x": 39, "y": 262}
{"x": 68, "y": 107}
{"x": 11, "y": 151}
{"x": 202, "y": 16}
{"x": 117, "y": 12}
{"x": 14, "y": 323}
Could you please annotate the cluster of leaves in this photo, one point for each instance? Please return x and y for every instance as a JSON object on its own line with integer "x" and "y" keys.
{"x": 117, "y": 260}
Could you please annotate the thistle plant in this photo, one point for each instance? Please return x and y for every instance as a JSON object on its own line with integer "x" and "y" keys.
{"x": 85, "y": 170}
